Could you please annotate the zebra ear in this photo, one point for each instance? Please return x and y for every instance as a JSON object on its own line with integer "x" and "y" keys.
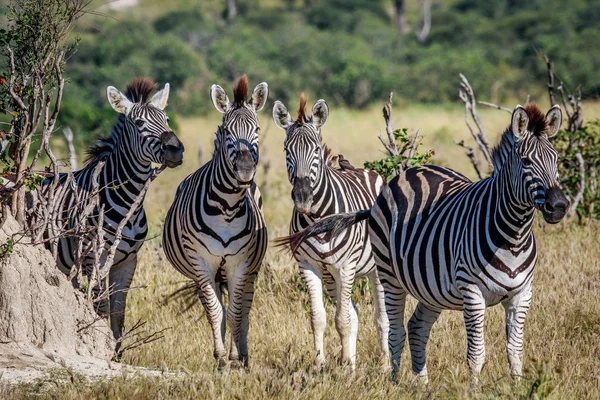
{"x": 281, "y": 116}
{"x": 519, "y": 122}
{"x": 159, "y": 100}
{"x": 259, "y": 96}
{"x": 554, "y": 120}
{"x": 119, "y": 102}
{"x": 320, "y": 113}
{"x": 219, "y": 98}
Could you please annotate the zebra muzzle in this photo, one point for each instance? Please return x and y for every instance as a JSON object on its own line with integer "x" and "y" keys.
{"x": 244, "y": 168}
{"x": 171, "y": 149}
{"x": 302, "y": 195}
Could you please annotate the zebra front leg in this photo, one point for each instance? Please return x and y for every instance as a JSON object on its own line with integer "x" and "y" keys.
{"x": 516, "y": 309}
{"x": 119, "y": 281}
{"x": 210, "y": 296}
{"x": 474, "y": 313}
{"x": 380, "y": 315}
{"x": 248, "y": 296}
{"x": 419, "y": 328}
{"x": 318, "y": 318}
{"x": 346, "y": 319}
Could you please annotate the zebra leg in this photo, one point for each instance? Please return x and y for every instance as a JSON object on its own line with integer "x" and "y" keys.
{"x": 395, "y": 299}
{"x": 119, "y": 279}
{"x": 379, "y": 313}
{"x": 248, "y": 296}
{"x": 210, "y": 296}
{"x": 312, "y": 277}
{"x": 419, "y": 328}
{"x": 346, "y": 319}
{"x": 236, "y": 281}
{"x": 474, "y": 313}
{"x": 516, "y": 309}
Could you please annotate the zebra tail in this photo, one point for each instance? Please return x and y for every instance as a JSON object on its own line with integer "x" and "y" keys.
{"x": 333, "y": 225}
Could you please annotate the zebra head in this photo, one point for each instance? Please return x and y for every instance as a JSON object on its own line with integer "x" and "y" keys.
{"x": 537, "y": 161}
{"x": 238, "y": 132}
{"x": 146, "y": 125}
{"x": 306, "y": 155}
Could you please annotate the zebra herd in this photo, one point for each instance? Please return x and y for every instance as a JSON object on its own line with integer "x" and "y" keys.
{"x": 429, "y": 232}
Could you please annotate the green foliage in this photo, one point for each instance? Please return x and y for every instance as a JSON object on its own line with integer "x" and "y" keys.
{"x": 346, "y": 51}
{"x": 388, "y": 167}
{"x": 7, "y": 247}
{"x": 587, "y": 142}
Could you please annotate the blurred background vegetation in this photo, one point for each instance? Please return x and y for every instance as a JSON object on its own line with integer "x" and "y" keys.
{"x": 351, "y": 52}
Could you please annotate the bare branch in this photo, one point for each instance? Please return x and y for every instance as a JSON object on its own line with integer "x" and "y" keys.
{"x": 496, "y": 106}
{"x": 68, "y": 133}
{"x": 390, "y": 144}
{"x": 472, "y": 157}
{"x": 581, "y": 185}
{"x": 550, "y": 80}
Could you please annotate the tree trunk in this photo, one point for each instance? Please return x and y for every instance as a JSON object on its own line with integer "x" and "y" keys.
{"x": 400, "y": 22}
{"x": 231, "y": 9}
{"x": 426, "y": 21}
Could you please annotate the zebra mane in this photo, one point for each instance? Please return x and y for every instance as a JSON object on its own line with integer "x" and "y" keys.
{"x": 536, "y": 126}
{"x": 240, "y": 91}
{"x": 302, "y": 110}
{"x": 140, "y": 90}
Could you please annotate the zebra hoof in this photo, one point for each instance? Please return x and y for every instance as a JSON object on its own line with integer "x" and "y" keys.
{"x": 221, "y": 363}
{"x": 237, "y": 364}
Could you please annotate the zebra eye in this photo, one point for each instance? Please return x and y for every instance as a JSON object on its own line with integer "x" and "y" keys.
{"x": 526, "y": 161}
{"x": 139, "y": 122}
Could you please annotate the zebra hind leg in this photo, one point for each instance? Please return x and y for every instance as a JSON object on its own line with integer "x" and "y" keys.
{"x": 381, "y": 319}
{"x": 516, "y": 309}
{"x": 394, "y": 301}
{"x": 419, "y": 328}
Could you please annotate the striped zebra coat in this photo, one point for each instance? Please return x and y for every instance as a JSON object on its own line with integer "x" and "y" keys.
{"x": 458, "y": 245}
{"x": 215, "y": 228}
{"x": 319, "y": 190}
{"x": 140, "y": 137}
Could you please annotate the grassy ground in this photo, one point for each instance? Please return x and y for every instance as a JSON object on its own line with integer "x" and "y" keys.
{"x": 562, "y": 354}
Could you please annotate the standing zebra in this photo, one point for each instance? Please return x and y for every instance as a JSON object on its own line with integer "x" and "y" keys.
{"x": 215, "y": 228}
{"x": 320, "y": 190}
{"x": 141, "y": 136}
{"x": 458, "y": 245}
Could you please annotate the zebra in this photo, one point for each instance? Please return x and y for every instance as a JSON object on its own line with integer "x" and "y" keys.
{"x": 320, "y": 190}
{"x": 141, "y": 136}
{"x": 215, "y": 230}
{"x": 454, "y": 244}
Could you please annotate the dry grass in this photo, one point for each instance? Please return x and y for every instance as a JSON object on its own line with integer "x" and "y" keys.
{"x": 562, "y": 355}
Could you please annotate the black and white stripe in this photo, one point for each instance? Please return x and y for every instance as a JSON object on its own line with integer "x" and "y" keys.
{"x": 140, "y": 137}
{"x": 458, "y": 245}
{"x": 215, "y": 228}
{"x": 319, "y": 190}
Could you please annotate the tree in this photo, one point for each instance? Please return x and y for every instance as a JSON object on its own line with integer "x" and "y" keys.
{"x": 33, "y": 47}
{"x": 400, "y": 21}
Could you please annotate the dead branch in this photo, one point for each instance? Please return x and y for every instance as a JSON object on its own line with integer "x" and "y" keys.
{"x": 68, "y": 133}
{"x": 390, "y": 144}
{"x": 139, "y": 336}
{"x": 119, "y": 232}
{"x": 496, "y": 106}
{"x": 468, "y": 98}
{"x": 413, "y": 149}
{"x": 550, "y": 80}
{"x": 472, "y": 157}
{"x": 580, "y": 185}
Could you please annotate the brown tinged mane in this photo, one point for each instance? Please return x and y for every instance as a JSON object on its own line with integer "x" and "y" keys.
{"x": 537, "y": 120}
{"x": 240, "y": 90}
{"x": 141, "y": 89}
{"x": 301, "y": 110}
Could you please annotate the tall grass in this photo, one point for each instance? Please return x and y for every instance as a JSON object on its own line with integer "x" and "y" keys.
{"x": 562, "y": 332}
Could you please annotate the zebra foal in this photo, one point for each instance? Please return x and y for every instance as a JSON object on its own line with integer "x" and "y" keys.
{"x": 215, "y": 228}
{"x": 141, "y": 136}
{"x": 319, "y": 190}
{"x": 454, "y": 244}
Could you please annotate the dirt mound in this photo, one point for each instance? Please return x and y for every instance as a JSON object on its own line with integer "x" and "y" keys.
{"x": 40, "y": 312}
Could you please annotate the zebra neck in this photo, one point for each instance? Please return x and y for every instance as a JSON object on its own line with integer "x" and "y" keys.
{"x": 324, "y": 195}
{"x": 511, "y": 219}
{"x": 223, "y": 187}
{"x": 124, "y": 176}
